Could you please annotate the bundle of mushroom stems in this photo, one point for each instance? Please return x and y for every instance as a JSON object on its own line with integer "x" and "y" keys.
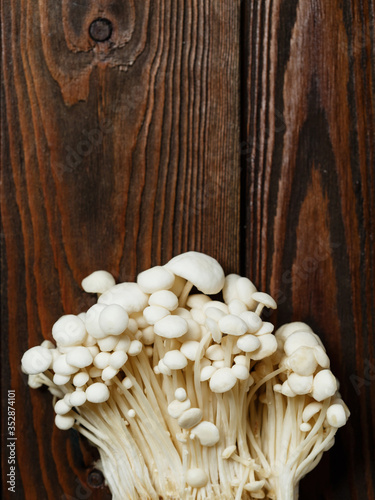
{"x": 188, "y": 396}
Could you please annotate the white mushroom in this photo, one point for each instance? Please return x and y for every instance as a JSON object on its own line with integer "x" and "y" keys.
{"x": 207, "y": 433}
{"x": 69, "y": 330}
{"x": 127, "y": 295}
{"x": 98, "y": 282}
{"x": 175, "y": 360}
{"x": 113, "y": 319}
{"x": 153, "y": 314}
{"x": 324, "y": 385}
{"x": 79, "y": 356}
{"x": 154, "y": 279}
{"x": 222, "y": 380}
{"x": 264, "y": 300}
{"x": 97, "y": 393}
{"x": 232, "y": 325}
{"x": 171, "y": 327}
{"x": 36, "y": 360}
{"x": 204, "y": 272}
{"x": 164, "y": 298}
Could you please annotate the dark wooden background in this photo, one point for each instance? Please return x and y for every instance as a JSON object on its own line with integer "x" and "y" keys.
{"x": 240, "y": 129}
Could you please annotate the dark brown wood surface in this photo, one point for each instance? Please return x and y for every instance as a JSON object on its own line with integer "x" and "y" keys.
{"x": 240, "y": 129}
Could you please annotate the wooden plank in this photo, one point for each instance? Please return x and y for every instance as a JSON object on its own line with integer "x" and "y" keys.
{"x": 116, "y": 154}
{"x": 308, "y": 163}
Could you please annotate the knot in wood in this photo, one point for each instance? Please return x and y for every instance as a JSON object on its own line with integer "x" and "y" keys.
{"x": 95, "y": 479}
{"x": 100, "y": 29}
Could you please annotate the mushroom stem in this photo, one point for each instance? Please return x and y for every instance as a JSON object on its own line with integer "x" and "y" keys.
{"x": 185, "y": 293}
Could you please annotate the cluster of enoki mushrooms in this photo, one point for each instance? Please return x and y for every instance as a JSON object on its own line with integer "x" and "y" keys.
{"x": 187, "y": 396}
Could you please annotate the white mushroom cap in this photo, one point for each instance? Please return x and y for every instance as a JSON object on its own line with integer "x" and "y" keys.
{"x": 176, "y": 408}
{"x": 97, "y": 393}
{"x": 214, "y": 329}
{"x": 48, "y": 344}
{"x": 61, "y": 407}
{"x": 118, "y": 359}
{"x": 237, "y": 307}
{"x": 336, "y": 415}
{"x": 171, "y": 327}
{"x": 108, "y": 373}
{"x": 190, "y": 418}
{"x": 321, "y": 356}
{"x": 36, "y": 360}
{"x": 64, "y": 422}
{"x": 297, "y": 340}
{"x": 230, "y": 289}
{"x": 240, "y": 371}
{"x": 232, "y": 325}
{"x": 203, "y": 271}
{"x": 222, "y": 380}
{"x": 153, "y": 314}
{"x": 214, "y": 313}
{"x": 268, "y": 345}
{"x": 286, "y": 390}
{"x": 175, "y": 360}
{"x": 252, "y": 320}
{"x": 101, "y": 360}
{"x": 108, "y": 343}
{"x": 79, "y": 356}
{"x": 113, "y": 319}
{"x": 241, "y": 360}
{"x": 207, "y": 433}
{"x": 80, "y": 379}
{"x": 196, "y": 478}
{"x": 180, "y": 394}
{"x": 207, "y": 372}
{"x": 123, "y": 344}
{"x": 135, "y": 348}
{"x": 92, "y": 321}
{"x": 127, "y": 295}
{"x": 62, "y": 367}
{"x": 78, "y": 398}
{"x": 255, "y": 487}
{"x": 310, "y": 410}
{"x": 300, "y": 384}
{"x": 127, "y": 383}
{"x": 154, "y": 279}
{"x": 217, "y": 304}
{"x": 302, "y": 361}
{"x": 34, "y": 381}
{"x": 60, "y": 379}
{"x": 215, "y": 352}
{"x": 304, "y": 427}
{"x": 248, "y": 343}
{"x": 264, "y": 299}
{"x": 164, "y": 298}
{"x": 324, "y": 385}
{"x": 198, "y": 301}
{"x": 264, "y": 329}
{"x": 94, "y": 349}
{"x": 69, "y": 330}
{"x": 245, "y": 290}
{"x": 190, "y": 349}
{"x": 286, "y": 330}
{"x": 198, "y": 315}
{"x": 98, "y": 282}
{"x": 95, "y": 372}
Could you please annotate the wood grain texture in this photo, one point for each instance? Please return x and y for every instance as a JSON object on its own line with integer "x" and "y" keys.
{"x": 112, "y": 159}
{"x": 308, "y": 163}
{"x": 242, "y": 129}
